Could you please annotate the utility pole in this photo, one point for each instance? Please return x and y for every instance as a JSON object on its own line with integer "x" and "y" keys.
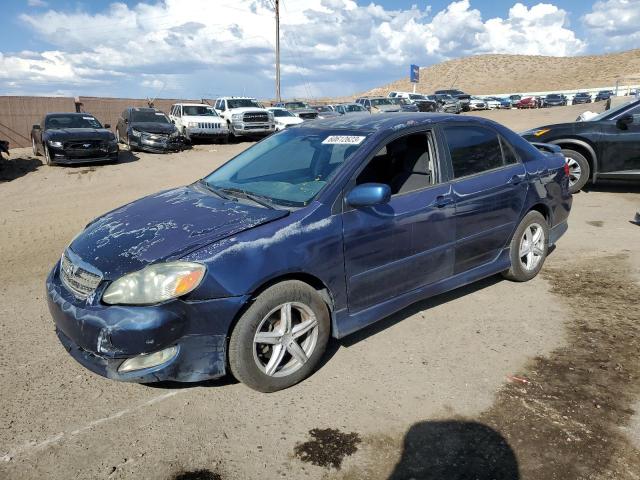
{"x": 277, "y": 8}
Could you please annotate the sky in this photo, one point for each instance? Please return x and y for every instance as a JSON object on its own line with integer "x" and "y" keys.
{"x": 206, "y": 48}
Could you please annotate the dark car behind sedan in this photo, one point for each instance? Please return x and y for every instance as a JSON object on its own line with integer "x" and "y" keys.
{"x": 603, "y": 95}
{"x": 66, "y": 138}
{"x": 580, "y": 98}
{"x": 554, "y": 100}
{"x": 316, "y": 231}
{"x": 149, "y": 130}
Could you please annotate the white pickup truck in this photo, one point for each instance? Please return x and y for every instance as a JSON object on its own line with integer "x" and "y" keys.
{"x": 245, "y": 116}
{"x": 199, "y": 120}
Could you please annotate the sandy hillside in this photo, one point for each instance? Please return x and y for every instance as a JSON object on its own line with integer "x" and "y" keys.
{"x": 486, "y": 74}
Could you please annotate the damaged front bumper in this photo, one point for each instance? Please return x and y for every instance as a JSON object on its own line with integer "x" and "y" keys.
{"x": 102, "y": 338}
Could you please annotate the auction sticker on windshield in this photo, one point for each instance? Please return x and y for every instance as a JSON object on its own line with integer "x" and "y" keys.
{"x": 343, "y": 140}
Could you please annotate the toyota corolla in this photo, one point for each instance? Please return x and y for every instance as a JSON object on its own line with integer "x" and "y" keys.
{"x": 316, "y": 231}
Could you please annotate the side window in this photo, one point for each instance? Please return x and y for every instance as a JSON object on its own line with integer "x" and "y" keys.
{"x": 405, "y": 164}
{"x": 473, "y": 149}
{"x": 508, "y": 152}
{"x": 178, "y": 110}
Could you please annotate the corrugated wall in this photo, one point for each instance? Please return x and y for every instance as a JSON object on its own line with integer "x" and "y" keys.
{"x": 18, "y": 114}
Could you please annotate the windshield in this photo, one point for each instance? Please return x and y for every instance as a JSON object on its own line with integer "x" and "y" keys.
{"x": 553, "y": 96}
{"x": 322, "y": 109}
{"x": 611, "y": 112}
{"x": 295, "y": 105}
{"x": 380, "y": 101}
{"x": 282, "y": 113}
{"x": 71, "y": 121}
{"x": 150, "y": 116}
{"x": 353, "y": 107}
{"x": 198, "y": 111}
{"x": 288, "y": 168}
{"x": 242, "y": 103}
{"x": 582, "y": 94}
{"x": 415, "y": 96}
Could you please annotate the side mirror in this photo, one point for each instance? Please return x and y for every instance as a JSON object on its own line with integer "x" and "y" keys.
{"x": 107, "y": 125}
{"x": 623, "y": 122}
{"x": 368, "y": 195}
{"x": 36, "y": 127}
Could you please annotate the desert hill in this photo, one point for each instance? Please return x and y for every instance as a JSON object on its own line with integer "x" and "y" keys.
{"x": 486, "y": 74}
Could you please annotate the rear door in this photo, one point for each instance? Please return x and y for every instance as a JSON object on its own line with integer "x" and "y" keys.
{"x": 489, "y": 188}
{"x": 394, "y": 248}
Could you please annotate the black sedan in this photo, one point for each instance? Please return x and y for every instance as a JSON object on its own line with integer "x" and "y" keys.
{"x": 580, "y": 98}
{"x": 67, "y": 138}
{"x": 603, "y": 95}
{"x": 149, "y": 130}
{"x": 555, "y": 100}
{"x": 605, "y": 147}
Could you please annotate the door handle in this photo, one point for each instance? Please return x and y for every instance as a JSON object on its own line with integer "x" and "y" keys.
{"x": 516, "y": 179}
{"x": 442, "y": 201}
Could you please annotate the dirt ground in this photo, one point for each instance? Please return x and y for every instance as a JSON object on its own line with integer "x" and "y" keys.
{"x": 497, "y": 380}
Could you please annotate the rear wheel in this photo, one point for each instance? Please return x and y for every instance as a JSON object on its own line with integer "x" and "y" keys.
{"x": 579, "y": 169}
{"x": 529, "y": 247}
{"x": 281, "y": 338}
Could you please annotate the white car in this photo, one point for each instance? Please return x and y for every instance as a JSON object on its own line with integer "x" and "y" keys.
{"x": 477, "y": 103}
{"x": 492, "y": 103}
{"x": 245, "y": 116}
{"x": 284, "y": 118}
{"x": 199, "y": 120}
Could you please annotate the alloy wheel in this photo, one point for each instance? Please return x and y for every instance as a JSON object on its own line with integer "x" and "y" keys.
{"x": 285, "y": 339}
{"x": 532, "y": 245}
{"x": 575, "y": 172}
{"x": 33, "y": 146}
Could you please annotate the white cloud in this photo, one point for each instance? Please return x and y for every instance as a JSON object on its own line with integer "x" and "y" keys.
{"x": 614, "y": 24}
{"x": 207, "y": 46}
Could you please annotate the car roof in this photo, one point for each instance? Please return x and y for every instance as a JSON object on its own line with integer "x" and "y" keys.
{"x": 391, "y": 121}
{"x": 70, "y": 113}
{"x": 143, "y": 109}
{"x": 193, "y": 104}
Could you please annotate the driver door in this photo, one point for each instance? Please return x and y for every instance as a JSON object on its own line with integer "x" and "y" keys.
{"x": 621, "y": 146}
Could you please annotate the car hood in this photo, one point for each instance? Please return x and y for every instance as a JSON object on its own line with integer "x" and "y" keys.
{"x": 164, "y": 226}
{"x": 200, "y": 118}
{"x": 79, "y": 134}
{"x": 387, "y": 108}
{"x": 151, "y": 127}
{"x": 289, "y": 120}
{"x": 247, "y": 110}
{"x": 564, "y": 127}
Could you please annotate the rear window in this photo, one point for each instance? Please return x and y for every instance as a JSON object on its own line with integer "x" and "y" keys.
{"x": 473, "y": 149}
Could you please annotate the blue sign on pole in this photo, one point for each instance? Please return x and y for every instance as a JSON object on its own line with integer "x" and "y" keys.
{"x": 414, "y": 73}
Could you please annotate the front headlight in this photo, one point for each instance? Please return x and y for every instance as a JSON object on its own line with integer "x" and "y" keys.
{"x": 192, "y": 124}
{"x": 155, "y": 283}
{"x": 236, "y": 117}
{"x": 135, "y": 133}
{"x": 55, "y": 143}
{"x": 271, "y": 117}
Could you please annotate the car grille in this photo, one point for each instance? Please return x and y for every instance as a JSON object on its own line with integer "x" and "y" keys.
{"x": 308, "y": 115}
{"x": 78, "y": 279}
{"x": 255, "y": 117}
{"x": 86, "y": 145}
{"x": 209, "y": 125}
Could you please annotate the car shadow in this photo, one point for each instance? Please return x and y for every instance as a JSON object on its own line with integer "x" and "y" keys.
{"x": 417, "y": 307}
{"x": 613, "y": 186}
{"x": 127, "y": 156}
{"x": 16, "y": 167}
{"x": 453, "y": 449}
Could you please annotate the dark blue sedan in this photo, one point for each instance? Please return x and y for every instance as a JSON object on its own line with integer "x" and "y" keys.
{"x": 317, "y": 231}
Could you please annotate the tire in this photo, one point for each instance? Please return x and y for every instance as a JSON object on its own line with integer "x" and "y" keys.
{"x": 185, "y": 134}
{"x": 118, "y": 140}
{"x": 532, "y": 225}
{"x": 232, "y": 135}
{"x": 250, "y": 361}
{"x": 47, "y": 157}
{"x": 579, "y": 169}
{"x": 34, "y": 147}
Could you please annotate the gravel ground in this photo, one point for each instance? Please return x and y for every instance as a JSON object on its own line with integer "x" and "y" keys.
{"x": 495, "y": 380}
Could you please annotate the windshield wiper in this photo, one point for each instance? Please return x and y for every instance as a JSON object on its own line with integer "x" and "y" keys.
{"x": 212, "y": 189}
{"x": 260, "y": 200}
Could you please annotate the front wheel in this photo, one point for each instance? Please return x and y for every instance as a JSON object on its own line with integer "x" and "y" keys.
{"x": 34, "y": 147}
{"x": 47, "y": 157}
{"x": 579, "y": 169}
{"x": 529, "y": 247}
{"x": 281, "y": 338}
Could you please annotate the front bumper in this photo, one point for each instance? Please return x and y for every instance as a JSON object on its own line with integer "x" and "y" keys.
{"x": 242, "y": 128}
{"x": 156, "y": 143}
{"x": 195, "y": 132}
{"x": 62, "y": 156}
{"x": 102, "y": 337}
